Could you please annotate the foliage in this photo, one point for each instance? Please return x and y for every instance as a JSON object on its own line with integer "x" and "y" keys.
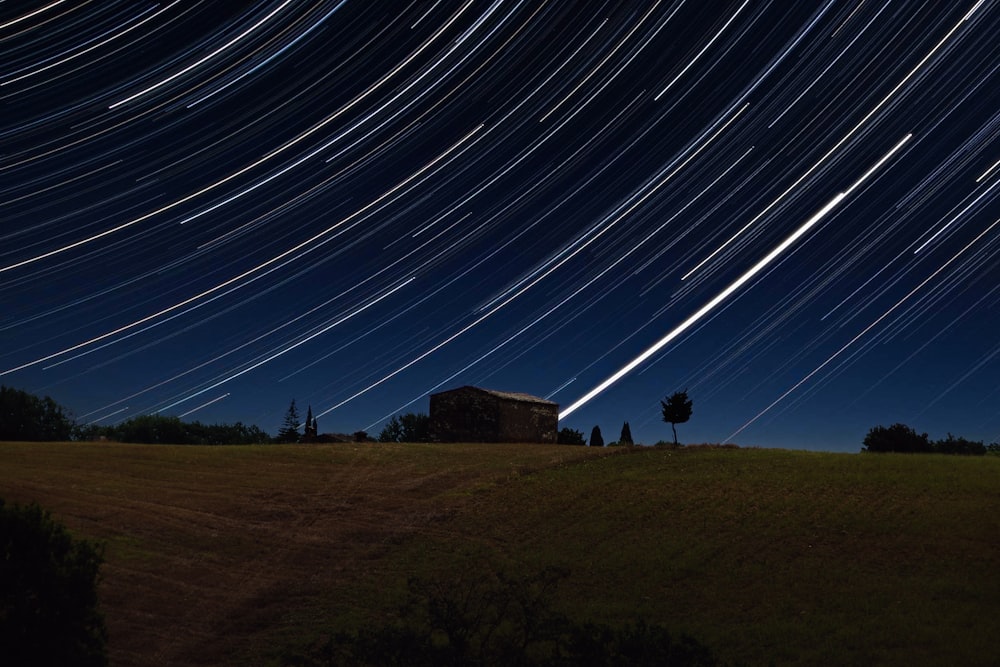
{"x": 24, "y": 416}
{"x": 408, "y": 427}
{"x": 570, "y": 436}
{"x": 289, "y": 431}
{"x": 676, "y": 410}
{"x": 596, "y": 439}
{"x": 993, "y": 448}
{"x": 497, "y": 619}
{"x": 626, "y": 436}
{"x": 164, "y": 430}
{"x": 48, "y": 592}
{"x": 902, "y": 438}
{"x": 959, "y": 445}
{"x": 311, "y": 427}
{"x": 896, "y": 438}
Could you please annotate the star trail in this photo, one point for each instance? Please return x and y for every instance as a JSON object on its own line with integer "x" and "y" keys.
{"x": 790, "y": 210}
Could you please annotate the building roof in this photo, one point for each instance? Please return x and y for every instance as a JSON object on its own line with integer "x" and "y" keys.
{"x": 508, "y": 395}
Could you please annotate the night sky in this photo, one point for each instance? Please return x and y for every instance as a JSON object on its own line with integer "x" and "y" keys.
{"x": 790, "y": 210}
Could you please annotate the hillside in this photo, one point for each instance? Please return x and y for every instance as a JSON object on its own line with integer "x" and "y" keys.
{"x": 228, "y": 554}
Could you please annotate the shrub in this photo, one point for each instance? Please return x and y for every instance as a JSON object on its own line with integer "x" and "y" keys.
{"x": 48, "y": 592}
{"x": 495, "y": 619}
{"x": 596, "y": 439}
{"x": 570, "y": 436}
{"x": 896, "y": 438}
{"x": 957, "y": 445}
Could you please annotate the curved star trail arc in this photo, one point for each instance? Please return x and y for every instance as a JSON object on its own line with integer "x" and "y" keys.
{"x": 209, "y": 209}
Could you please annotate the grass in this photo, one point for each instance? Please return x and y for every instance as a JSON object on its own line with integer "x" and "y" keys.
{"x": 232, "y": 554}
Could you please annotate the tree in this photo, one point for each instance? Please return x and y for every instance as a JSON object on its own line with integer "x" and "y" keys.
{"x": 596, "y": 439}
{"x": 289, "y": 431}
{"x": 676, "y": 410}
{"x": 48, "y": 592}
{"x": 570, "y": 436}
{"x": 24, "y": 416}
{"x": 310, "y": 429}
{"x": 896, "y": 438}
{"x": 959, "y": 445}
{"x": 625, "y": 438}
{"x": 392, "y": 431}
{"x": 409, "y": 427}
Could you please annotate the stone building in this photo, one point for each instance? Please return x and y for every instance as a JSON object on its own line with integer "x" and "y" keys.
{"x": 472, "y": 414}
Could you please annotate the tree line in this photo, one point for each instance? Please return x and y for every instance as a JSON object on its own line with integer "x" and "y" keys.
{"x": 904, "y": 439}
{"x": 26, "y": 417}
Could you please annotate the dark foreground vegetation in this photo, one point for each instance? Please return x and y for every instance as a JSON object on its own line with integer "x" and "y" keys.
{"x": 254, "y": 555}
{"x": 903, "y": 439}
{"x": 48, "y": 592}
{"x": 485, "y": 618}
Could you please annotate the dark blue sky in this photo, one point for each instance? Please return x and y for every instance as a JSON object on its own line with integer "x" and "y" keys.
{"x": 209, "y": 209}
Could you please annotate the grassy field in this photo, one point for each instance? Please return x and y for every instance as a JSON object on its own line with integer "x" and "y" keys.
{"x": 230, "y": 555}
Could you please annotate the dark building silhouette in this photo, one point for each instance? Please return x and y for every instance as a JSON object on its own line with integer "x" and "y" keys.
{"x": 472, "y": 414}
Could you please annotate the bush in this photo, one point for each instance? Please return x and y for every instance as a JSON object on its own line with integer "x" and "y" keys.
{"x": 902, "y": 438}
{"x": 161, "y": 429}
{"x": 896, "y": 438}
{"x": 570, "y": 436}
{"x": 495, "y": 619}
{"x": 48, "y": 592}
{"x": 961, "y": 446}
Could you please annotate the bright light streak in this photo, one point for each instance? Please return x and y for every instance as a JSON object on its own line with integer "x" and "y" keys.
{"x": 30, "y": 14}
{"x": 988, "y": 171}
{"x": 863, "y": 332}
{"x": 728, "y": 291}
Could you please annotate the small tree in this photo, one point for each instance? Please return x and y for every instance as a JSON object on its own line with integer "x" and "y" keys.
{"x": 625, "y": 438}
{"x": 896, "y": 438}
{"x": 289, "y": 431}
{"x": 409, "y": 427}
{"x": 48, "y": 592}
{"x": 596, "y": 439}
{"x": 309, "y": 434}
{"x": 391, "y": 432}
{"x": 570, "y": 436}
{"x": 676, "y": 410}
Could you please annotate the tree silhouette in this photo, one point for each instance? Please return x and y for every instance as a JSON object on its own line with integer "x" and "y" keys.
{"x": 48, "y": 592}
{"x": 310, "y": 428}
{"x": 596, "y": 439}
{"x": 289, "y": 431}
{"x": 896, "y": 438}
{"x": 676, "y": 410}
{"x": 408, "y": 427}
{"x": 570, "y": 436}
{"x": 625, "y": 439}
{"x": 24, "y": 416}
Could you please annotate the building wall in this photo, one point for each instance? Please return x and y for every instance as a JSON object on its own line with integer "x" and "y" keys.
{"x": 468, "y": 414}
{"x": 521, "y": 421}
{"x": 464, "y": 416}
